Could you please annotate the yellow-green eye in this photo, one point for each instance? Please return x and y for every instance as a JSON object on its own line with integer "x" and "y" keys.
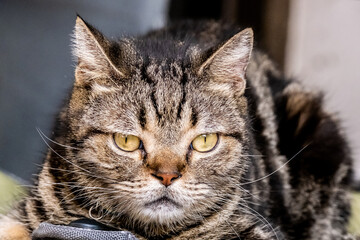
{"x": 127, "y": 143}
{"x": 205, "y": 142}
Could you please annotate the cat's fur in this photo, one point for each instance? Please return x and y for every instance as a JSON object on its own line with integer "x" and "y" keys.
{"x": 279, "y": 171}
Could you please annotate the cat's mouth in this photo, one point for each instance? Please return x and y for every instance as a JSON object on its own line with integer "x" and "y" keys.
{"x": 162, "y": 210}
{"x": 163, "y": 202}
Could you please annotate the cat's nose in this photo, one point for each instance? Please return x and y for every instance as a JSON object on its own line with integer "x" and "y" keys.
{"x": 166, "y": 178}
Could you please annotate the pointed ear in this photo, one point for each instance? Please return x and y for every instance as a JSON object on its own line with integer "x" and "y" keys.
{"x": 93, "y": 52}
{"x": 227, "y": 66}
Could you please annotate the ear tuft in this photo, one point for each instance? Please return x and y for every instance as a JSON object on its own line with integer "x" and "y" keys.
{"x": 228, "y": 64}
{"x": 91, "y": 49}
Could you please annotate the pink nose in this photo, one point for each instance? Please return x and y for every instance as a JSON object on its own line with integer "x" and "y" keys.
{"x": 166, "y": 178}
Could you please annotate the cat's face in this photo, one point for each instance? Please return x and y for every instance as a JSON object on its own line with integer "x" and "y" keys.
{"x": 165, "y": 142}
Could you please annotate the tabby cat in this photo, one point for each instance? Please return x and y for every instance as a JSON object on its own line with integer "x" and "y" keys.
{"x": 189, "y": 133}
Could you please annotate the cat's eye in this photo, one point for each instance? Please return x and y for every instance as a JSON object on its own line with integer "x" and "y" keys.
{"x": 205, "y": 142}
{"x": 128, "y": 143}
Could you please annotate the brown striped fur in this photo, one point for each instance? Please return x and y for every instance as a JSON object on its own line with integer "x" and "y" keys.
{"x": 280, "y": 169}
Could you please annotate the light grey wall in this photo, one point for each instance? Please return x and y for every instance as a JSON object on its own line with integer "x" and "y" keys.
{"x": 323, "y": 51}
{"x": 36, "y": 67}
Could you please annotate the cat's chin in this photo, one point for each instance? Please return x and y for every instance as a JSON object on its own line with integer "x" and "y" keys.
{"x": 162, "y": 210}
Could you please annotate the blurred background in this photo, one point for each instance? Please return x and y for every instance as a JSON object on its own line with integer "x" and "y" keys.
{"x": 315, "y": 41}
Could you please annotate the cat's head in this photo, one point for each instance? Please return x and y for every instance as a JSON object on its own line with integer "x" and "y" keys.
{"x": 160, "y": 124}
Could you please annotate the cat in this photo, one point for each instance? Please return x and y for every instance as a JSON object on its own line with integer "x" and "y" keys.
{"x": 188, "y": 132}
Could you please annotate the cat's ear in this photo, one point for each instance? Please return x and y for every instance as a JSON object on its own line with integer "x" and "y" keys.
{"x": 227, "y": 66}
{"x": 93, "y": 53}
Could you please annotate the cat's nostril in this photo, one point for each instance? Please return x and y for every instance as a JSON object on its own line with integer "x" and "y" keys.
{"x": 156, "y": 176}
{"x": 166, "y": 178}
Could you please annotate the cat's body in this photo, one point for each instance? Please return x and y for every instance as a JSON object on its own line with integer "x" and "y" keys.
{"x": 279, "y": 169}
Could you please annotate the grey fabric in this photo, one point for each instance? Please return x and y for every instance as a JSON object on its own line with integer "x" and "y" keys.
{"x": 50, "y": 231}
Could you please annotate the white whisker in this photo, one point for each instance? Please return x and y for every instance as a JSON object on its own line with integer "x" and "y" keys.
{"x": 262, "y": 178}
{"x": 65, "y": 146}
